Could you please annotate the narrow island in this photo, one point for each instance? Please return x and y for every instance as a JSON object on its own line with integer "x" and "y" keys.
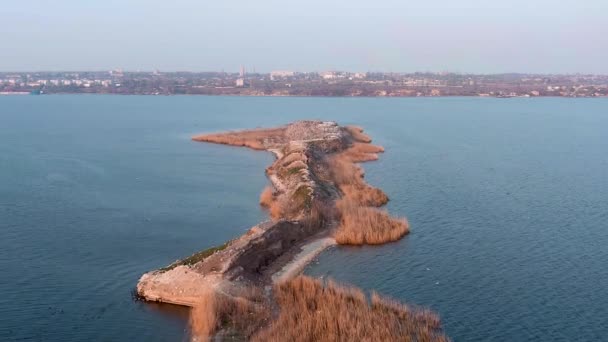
{"x": 250, "y": 288}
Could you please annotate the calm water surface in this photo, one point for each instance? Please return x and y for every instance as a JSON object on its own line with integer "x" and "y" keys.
{"x": 507, "y": 198}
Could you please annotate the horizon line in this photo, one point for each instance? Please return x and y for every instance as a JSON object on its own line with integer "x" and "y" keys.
{"x": 306, "y": 72}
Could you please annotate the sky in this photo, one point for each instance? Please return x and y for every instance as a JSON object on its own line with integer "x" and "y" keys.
{"x": 467, "y": 36}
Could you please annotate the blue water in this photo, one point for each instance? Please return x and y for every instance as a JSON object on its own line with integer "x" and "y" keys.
{"x": 507, "y": 199}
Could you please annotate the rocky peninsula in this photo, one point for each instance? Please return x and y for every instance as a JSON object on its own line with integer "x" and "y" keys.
{"x": 317, "y": 198}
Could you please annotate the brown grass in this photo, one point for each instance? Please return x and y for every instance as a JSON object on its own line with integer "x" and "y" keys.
{"x": 365, "y": 195}
{"x": 343, "y": 171}
{"x": 349, "y": 178}
{"x": 360, "y": 221}
{"x": 312, "y": 311}
{"x": 266, "y": 197}
{"x": 276, "y": 205}
{"x": 364, "y": 225}
{"x": 203, "y": 317}
{"x": 362, "y": 152}
{"x": 366, "y": 148}
{"x": 357, "y": 133}
{"x": 255, "y": 138}
{"x": 276, "y": 209}
{"x": 240, "y": 315}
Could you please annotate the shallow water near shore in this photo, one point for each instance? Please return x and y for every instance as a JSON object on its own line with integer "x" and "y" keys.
{"x": 507, "y": 200}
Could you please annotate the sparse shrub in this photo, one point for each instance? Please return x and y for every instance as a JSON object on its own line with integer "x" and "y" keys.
{"x": 302, "y": 198}
{"x": 196, "y": 257}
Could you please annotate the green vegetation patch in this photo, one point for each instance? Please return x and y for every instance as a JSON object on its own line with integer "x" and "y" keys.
{"x": 287, "y": 172}
{"x": 196, "y": 257}
{"x": 294, "y": 170}
{"x": 302, "y": 197}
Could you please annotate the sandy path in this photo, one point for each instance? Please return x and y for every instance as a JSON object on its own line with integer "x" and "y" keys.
{"x": 303, "y": 258}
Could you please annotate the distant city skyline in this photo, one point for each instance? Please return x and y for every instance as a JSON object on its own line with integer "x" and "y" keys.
{"x": 249, "y": 72}
{"x": 468, "y": 36}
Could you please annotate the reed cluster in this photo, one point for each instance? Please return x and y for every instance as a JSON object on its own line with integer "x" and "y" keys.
{"x": 361, "y": 225}
{"x": 239, "y": 315}
{"x": 254, "y": 138}
{"x": 360, "y": 220}
{"x": 357, "y": 133}
{"x": 310, "y": 310}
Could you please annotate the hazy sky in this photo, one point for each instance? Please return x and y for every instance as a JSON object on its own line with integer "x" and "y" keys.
{"x": 376, "y": 35}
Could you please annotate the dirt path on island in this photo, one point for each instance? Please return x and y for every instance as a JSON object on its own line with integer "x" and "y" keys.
{"x": 309, "y": 251}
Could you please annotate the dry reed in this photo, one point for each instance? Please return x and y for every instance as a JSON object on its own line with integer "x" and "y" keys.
{"x": 364, "y": 225}
{"x": 266, "y": 197}
{"x": 365, "y": 195}
{"x": 277, "y": 208}
{"x": 362, "y": 152}
{"x": 239, "y": 314}
{"x": 349, "y": 178}
{"x": 312, "y": 311}
{"x": 360, "y": 221}
{"x": 357, "y": 134}
{"x": 203, "y": 318}
{"x": 366, "y": 148}
{"x": 255, "y": 138}
{"x": 285, "y": 207}
{"x": 343, "y": 171}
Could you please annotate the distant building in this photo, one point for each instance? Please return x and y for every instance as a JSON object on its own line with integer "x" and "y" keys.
{"x": 281, "y": 74}
{"x": 329, "y": 75}
{"x": 240, "y": 82}
{"x": 116, "y": 73}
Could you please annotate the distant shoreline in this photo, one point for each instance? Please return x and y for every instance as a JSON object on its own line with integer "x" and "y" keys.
{"x": 13, "y": 94}
{"x": 292, "y": 83}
